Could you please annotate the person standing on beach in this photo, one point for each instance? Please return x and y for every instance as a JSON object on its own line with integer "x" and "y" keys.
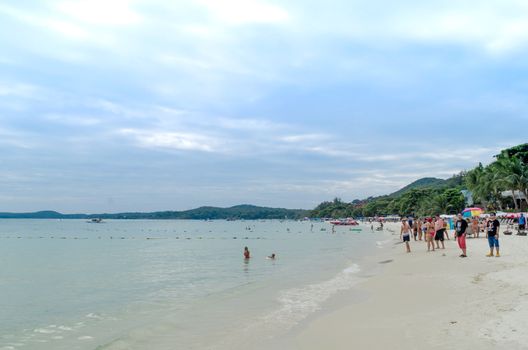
{"x": 439, "y": 231}
{"x": 415, "y": 229}
{"x": 419, "y": 225}
{"x": 475, "y": 227}
{"x": 482, "y": 226}
{"x": 246, "y": 253}
{"x": 429, "y": 235}
{"x": 492, "y": 233}
{"x": 405, "y": 234}
{"x": 460, "y": 230}
{"x": 522, "y": 222}
{"x": 446, "y": 229}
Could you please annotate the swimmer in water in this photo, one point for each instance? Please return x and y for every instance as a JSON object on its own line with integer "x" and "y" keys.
{"x": 272, "y": 256}
{"x": 246, "y": 253}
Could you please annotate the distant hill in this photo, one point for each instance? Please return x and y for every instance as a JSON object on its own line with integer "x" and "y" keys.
{"x": 48, "y": 214}
{"x": 429, "y": 182}
{"x": 247, "y": 212}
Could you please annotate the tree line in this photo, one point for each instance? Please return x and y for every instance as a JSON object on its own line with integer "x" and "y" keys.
{"x": 487, "y": 184}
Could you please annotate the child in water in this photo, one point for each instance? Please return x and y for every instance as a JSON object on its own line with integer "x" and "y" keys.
{"x": 246, "y": 253}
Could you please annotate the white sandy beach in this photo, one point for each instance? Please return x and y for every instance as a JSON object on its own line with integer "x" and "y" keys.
{"x": 434, "y": 300}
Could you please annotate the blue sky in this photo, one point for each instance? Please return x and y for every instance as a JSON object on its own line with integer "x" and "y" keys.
{"x": 124, "y": 105}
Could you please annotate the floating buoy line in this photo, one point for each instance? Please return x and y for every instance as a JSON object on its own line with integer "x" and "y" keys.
{"x": 125, "y": 238}
{"x": 164, "y": 237}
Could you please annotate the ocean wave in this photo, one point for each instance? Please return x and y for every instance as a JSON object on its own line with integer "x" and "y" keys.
{"x": 380, "y": 244}
{"x": 297, "y": 303}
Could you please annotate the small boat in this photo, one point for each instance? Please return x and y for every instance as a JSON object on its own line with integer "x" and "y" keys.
{"x": 95, "y": 220}
{"x": 345, "y": 222}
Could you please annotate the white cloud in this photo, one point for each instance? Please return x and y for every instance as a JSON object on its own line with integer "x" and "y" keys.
{"x": 100, "y": 12}
{"x": 180, "y": 60}
{"x": 248, "y": 124}
{"x": 238, "y": 12}
{"x": 68, "y": 29}
{"x": 17, "y": 139}
{"x": 484, "y": 28}
{"x": 304, "y": 137}
{"x": 74, "y": 120}
{"x": 173, "y": 140}
{"x": 497, "y": 26}
{"x": 65, "y": 28}
{"x": 18, "y": 89}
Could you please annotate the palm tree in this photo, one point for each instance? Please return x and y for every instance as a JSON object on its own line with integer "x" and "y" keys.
{"x": 477, "y": 181}
{"x": 496, "y": 186}
{"x": 514, "y": 175}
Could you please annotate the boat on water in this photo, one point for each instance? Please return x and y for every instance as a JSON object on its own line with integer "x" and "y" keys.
{"x": 344, "y": 222}
{"x": 95, "y": 220}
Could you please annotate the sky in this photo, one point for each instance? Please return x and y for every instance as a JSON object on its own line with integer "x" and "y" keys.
{"x": 146, "y": 105}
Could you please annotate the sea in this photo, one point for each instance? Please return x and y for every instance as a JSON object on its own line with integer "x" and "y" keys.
{"x": 170, "y": 284}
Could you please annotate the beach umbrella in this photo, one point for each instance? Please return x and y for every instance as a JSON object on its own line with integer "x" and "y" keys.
{"x": 470, "y": 212}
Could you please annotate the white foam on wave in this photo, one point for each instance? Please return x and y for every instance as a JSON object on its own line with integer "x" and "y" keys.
{"x": 352, "y": 269}
{"x": 44, "y": 331}
{"x": 380, "y": 244}
{"x": 85, "y": 337}
{"x": 297, "y": 303}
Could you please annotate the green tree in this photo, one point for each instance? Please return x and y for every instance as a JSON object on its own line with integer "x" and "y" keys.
{"x": 477, "y": 181}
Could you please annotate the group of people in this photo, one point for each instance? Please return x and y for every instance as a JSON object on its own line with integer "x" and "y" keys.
{"x": 435, "y": 229}
{"x": 247, "y": 255}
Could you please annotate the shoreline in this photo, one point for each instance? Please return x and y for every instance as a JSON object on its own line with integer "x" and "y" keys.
{"x": 422, "y": 300}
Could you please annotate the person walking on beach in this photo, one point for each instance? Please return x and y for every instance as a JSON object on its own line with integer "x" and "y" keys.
{"x": 246, "y": 253}
{"x": 492, "y": 233}
{"x": 405, "y": 234}
{"x": 460, "y": 230}
{"x": 439, "y": 231}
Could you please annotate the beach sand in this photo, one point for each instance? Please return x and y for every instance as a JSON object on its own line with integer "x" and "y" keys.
{"x": 431, "y": 300}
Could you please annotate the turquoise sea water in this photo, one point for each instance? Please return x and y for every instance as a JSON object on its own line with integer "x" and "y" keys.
{"x": 167, "y": 284}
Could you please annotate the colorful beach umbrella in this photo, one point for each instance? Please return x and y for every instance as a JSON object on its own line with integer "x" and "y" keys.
{"x": 470, "y": 212}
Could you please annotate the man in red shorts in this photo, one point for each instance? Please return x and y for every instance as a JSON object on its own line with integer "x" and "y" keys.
{"x": 460, "y": 230}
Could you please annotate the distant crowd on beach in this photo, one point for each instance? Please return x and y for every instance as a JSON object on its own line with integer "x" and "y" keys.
{"x": 434, "y": 230}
